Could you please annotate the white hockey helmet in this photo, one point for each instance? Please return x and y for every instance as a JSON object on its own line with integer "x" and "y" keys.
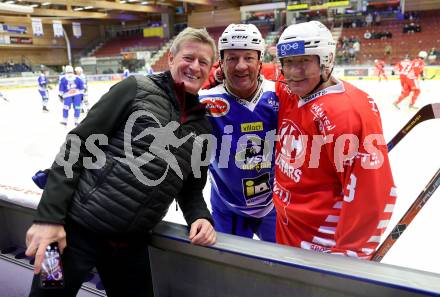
{"x": 423, "y": 54}
{"x": 78, "y": 69}
{"x": 68, "y": 69}
{"x": 241, "y": 36}
{"x": 310, "y": 38}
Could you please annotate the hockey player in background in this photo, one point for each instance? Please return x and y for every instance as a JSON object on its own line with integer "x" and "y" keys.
{"x": 85, "y": 95}
{"x": 125, "y": 72}
{"x": 412, "y": 84}
{"x": 244, "y": 110}
{"x": 43, "y": 88}
{"x": 215, "y": 77}
{"x": 71, "y": 88}
{"x": 271, "y": 71}
{"x": 402, "y": 69}
{"x": 380, "y": 69}
{"x": 60, "y": 76}
{"x": 334, "y": 191}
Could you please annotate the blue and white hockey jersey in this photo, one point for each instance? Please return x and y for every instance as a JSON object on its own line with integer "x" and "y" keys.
{"x": 241, "y": 173}
{"x": 71, "y": 85}
{"x": 42, "y": 83}
{"x": 82, "y": 76}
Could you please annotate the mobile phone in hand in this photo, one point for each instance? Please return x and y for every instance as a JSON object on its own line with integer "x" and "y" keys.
{"x": 51, "y": 275}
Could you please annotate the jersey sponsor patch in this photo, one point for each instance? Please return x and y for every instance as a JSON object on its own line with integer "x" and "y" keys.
{"x": 251, "y": 127}
{"x": 251, "y": 155}
{"x": 216, "y": 106}
{"x": 255, "y": 189}
{"x": 320, "y": 116}
{"x": 293, "y": 148}
{"x": 293, "y": 48}
{"x": 292, "y": 143}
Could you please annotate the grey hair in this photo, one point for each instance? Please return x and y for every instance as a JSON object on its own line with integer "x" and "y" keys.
{"x": 193, "y": 34}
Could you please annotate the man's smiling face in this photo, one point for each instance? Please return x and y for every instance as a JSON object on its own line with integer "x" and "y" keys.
{"x": 191, "y": 64}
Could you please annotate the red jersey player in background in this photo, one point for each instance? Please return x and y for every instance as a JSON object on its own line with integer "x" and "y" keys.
{"x": 411, "y": 80}
{"x": 215, "y": 77}
{"x": 334, "y": 191}
{"x": 380, "y": 69}
{"x": 402, "y": 69}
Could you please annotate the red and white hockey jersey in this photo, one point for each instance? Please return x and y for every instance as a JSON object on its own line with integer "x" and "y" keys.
{"x": 379, "y": 64}
{"x": 403, "y": 68}
{"x": 334, "y": 191}
{"x": 416, "y": 70}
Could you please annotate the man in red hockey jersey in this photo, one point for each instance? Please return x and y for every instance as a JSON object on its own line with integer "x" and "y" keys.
{"x": 334, "y": 191}
{"x": 380, "y": 69}
{"x": 412, "y": 84}
{"x": 402, "y": 68}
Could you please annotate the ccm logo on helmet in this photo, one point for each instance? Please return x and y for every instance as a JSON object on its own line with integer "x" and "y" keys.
{"x": 239, "y": 37}
{"x": 291, "y": 49}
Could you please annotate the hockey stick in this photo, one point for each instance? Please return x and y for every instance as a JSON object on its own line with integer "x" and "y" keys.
{"x": 427, "y": 112}
{"x": 429, "y": 78}
{"x": 4, "y": 98}
{"x": 407, "y": 218}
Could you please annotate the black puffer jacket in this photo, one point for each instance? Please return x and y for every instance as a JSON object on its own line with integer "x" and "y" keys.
{"x": 117, "y": 199}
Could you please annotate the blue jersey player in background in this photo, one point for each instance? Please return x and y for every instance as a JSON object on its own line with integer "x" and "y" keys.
{"x": 85, "y": 95}
{"x": 71, "y": 87}
{"x": 43, "y": 88}
{"x": 243, "y": 112}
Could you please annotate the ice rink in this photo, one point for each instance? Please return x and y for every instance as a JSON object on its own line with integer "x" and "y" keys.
{"x": 30, "y": 140}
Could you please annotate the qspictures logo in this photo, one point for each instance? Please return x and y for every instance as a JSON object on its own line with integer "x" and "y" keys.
{"x": 163, "y": 142}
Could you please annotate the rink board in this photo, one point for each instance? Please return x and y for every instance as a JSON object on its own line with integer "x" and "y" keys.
{"x": 233, "y": 267}
{"x": 16, "y": 271}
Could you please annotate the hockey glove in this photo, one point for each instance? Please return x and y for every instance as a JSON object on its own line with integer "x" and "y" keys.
{"x": 40, "y": 178}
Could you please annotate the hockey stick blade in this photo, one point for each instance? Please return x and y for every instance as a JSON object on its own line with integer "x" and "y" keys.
{"x": 427, "y": 112}
{"x": 407, "y": 218}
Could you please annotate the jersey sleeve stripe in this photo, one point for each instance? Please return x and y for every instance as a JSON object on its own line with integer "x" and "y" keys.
{"x": 327, "y": 230}
{"x": 324, "y": 241}
{"x": 383, "y": 224}
{"x": 332, "y": 219}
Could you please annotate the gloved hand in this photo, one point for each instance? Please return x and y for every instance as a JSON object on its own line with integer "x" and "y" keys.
{"x": 40, "y": 178}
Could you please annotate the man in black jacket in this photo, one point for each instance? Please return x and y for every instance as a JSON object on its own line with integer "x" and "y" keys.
{"x": 114, "y": 180}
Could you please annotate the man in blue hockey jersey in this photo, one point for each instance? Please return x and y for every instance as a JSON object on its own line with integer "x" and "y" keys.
{"x": 43, "y": 85}
{"x": 85, "y": 95}
{"x": 243, "y": 113}
{"x": 71, "y": 88}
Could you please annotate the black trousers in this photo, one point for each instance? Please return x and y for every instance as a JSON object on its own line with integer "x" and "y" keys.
{"x": 122, "y": 264}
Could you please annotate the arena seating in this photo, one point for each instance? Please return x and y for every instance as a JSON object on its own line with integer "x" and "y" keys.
{"x": 120, "y": 44}
{"x": 10, "y": 67}
{"x": 401, "y": 43}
